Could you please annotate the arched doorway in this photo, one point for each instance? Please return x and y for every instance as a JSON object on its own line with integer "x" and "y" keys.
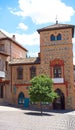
{"x": 21, "y": 98}
{"x": 59, "y": 103}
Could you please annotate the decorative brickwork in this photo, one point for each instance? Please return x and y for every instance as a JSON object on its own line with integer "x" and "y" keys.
{"x": 55, "y": 60}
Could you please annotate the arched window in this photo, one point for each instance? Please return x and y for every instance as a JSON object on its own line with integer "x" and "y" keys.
{"x": 19, "y": 73}
{"x": 59, "y": 37}
{"x": 32, "y": 71}
{"x": 52, "y": 38}
{"x": 57, "y": 72}
{"x": 21, "y": 98}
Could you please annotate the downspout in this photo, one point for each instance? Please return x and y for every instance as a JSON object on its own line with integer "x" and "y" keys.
{"x": 10, "y": 67}
{"x": 11, "y": 78}
{"x": 10, "y": 52}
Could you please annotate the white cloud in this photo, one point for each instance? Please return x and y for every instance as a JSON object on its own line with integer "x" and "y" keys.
{"x": 33, "y": 54}
{"x": 6, "y": 33}
{"x": 25, "y": 39}
{"x": 74, "y": 60}
{"x": 43, "y": 11}
{"x": 73, "y": 40}
{"x": 22, "y": 26}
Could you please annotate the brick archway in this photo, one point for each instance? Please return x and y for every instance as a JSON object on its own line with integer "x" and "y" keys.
{"x": 59, "y": 103}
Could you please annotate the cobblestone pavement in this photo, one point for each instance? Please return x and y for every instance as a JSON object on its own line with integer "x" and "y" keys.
{"x": 17, "y": 119}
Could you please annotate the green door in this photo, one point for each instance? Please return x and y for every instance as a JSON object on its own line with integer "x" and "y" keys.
{"x": 26, "y": 102}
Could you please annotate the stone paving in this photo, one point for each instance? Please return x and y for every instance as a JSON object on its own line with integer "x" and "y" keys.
{"x": 18, "y": 119}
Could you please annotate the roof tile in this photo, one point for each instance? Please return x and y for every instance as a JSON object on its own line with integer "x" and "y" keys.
{"x": 29, "y": 60}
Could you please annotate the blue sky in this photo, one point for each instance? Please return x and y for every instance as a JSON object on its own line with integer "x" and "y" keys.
{"x": 24, "y": 17}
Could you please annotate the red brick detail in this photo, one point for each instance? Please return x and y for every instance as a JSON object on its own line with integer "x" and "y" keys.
{"x": 66, "y": 88}
{"x": 66, "y": 85}
{"x": 57, "y": 62}
{"x": 51, "y": 72}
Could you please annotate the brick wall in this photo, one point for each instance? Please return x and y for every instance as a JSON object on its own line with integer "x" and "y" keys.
{"x": 17, "y": 52}
{"x": 61, "y": 49}
{"x": 13, "y": 49}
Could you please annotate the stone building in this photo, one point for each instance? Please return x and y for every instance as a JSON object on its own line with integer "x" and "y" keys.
{"x": 55, "y": 60}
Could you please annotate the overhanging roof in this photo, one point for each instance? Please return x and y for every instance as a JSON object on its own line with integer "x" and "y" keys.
{"x": 57, "y": 27}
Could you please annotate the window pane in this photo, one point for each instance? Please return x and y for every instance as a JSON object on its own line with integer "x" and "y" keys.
{"x": 59, "y": 37}
{"x": 32, "y": 71}
{"x": 20, "y": 73}
{"x": 57, "y": 71}
{"x": 52, "y": 38}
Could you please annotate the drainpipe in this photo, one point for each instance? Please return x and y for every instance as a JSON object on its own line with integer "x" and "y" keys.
{"x": 10, "y": 67}
{"x": 11, "y": 76}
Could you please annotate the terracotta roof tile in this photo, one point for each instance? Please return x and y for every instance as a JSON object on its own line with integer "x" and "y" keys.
{"x": 29, "y": 60}
{"x": 57, "y": 26}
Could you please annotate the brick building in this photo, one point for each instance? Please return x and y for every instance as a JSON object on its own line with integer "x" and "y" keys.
{"x": 55, "y": 60}
{"x": 9, "y": 49}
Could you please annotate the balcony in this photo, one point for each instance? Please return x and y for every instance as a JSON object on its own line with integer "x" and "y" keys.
{"x": 58, "y": 80}
{"x": 2, "y": 74}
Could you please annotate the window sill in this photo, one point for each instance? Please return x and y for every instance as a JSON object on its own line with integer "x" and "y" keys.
{"x": 58, "y": 80}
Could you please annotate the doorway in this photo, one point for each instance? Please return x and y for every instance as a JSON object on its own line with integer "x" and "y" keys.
{"x": 21, "y": 98}
{"x": 59, "y": 103}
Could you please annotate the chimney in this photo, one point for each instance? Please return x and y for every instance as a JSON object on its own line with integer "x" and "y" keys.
{"x": 13, "y": 37}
